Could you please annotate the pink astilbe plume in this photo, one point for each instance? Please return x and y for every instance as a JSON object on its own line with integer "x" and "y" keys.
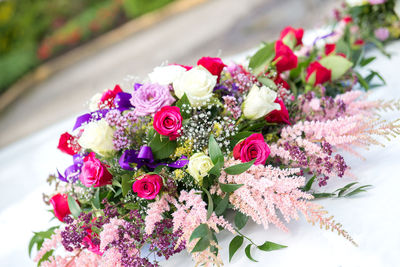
{"x": 77, "y": 259}
{"x": 265, "y": 190}
{"x": 155, "y": 212}
{"x": 49, "y": 244}
{"x": 110, "y": 232}
{"x": 191, "y": 212}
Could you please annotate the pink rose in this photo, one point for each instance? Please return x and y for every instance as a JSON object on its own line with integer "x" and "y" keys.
{"x": 148, "y": 186}
{"x": 168, "y": 122}
{"x": 94, "y": 173}
{"x": 60, "y": 206}
{"x": 213, "y": 64}
{"x": 253, "y": 147}
{"x": 279, "y": 116}
{"x": 88, "y": 243}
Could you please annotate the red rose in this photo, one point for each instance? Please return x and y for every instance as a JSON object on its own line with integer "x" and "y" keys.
{"x": 148, "y": 186}
{"x": 213, "y": 64}
{"x": 317, "y": 73}
{"x": 253, "y": 147}
{"x": 168, "y": 121}
{"x": 279, "y": 81}
{"x": 359, "y": 42}
{"x": 60, "y": 206}
{"x": 330, "y": 48}
{"x": 183, "y": 66}
{"x": 284, "y": 57}
{"x": 94, "y": 173}
{"x": 68, "y": 144}
{"x": 279, "y": 116}
{"x": 347, "y": 19}
{"x": 107, "y": 99}
{"x": 289, "y": 33}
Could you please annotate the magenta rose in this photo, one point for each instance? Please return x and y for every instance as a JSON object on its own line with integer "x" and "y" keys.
{"x": 253, "y": 147}
{"x": 168, "y": 122}
{"x": 213, "y": 64}
{"x": 60, "y": 206}
{"x": 148, "y": 186}
{"x": 94, "y": 173}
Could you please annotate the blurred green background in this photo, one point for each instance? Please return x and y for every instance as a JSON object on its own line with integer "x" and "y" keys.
{"x": 33, "y": 31}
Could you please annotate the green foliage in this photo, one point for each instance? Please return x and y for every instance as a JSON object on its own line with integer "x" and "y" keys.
{"x": 74, "y": 207}
{"x": 201, "y": 231}
{"x": 234, "y": 245}
{"x": 39, "y": 237}
{"x": 184, "y": 101}
{"x": 222, "y": 205}
{"x": 248, "y": 253}
{"x": 262, "y": 58}
{"x": 210, "y": 204}
{"x": 214, "y": 150}
{"x": 269, "y": 246}
{"x": 337, "y": 64}
{"x": 229, "y": 188}
{"x": 126, "y": 184}
{"x": 239, "y": 168}
{"x": 135, "y": 8}
{"x": 201, "y": 245}
{"x": 162, "y": 147}
{"x": 345, "y": 191}
{"x": 240, "y": 220}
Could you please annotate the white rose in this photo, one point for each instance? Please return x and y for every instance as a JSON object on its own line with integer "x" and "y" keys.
{"x": 94, "y": 102}
{"x": 198, "y": 84}
{"x": 98, "y": 136}
{"x": 259, "y": 102}
{"x": 198, "y": 167}
{"x": 166, "y": 75}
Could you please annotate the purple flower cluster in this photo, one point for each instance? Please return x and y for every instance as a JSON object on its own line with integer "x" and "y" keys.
{"x": 124, "y": 127}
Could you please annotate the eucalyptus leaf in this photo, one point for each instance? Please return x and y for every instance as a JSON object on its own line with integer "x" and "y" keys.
{"x": 234, "y": 245}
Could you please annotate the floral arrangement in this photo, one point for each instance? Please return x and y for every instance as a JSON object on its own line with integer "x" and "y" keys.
{"x": 157, "y": 166}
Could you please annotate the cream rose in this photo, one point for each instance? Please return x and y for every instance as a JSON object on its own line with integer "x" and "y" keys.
{"x": 167, "y": 74}
{"x": 199, "y": 165}
{"x": 198, "y": 84}
{"x": 98, "y": 136}
{"x": 259, "y": 102}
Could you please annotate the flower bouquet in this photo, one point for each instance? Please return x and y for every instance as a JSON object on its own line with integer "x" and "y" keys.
{"x": 158, "y": 165}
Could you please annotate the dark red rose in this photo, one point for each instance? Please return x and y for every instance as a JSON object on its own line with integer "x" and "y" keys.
{"x": 330, "y": 48}
{"x": 290, "y": 32}
{"x": 60, "y": 206}
{"x": 68, "y": 144}
{"x": 317, "y": 74}
{"x": 278, "y": 116}
{"x": 107, "y": 99}
{"x": 284, "y": 57}
{"x": 253, "y": 147}
{"x": 279, "y": 81}
{"x": 213, "y": 64}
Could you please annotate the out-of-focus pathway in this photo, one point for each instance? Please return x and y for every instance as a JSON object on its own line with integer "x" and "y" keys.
{"x": 218, "y": 27}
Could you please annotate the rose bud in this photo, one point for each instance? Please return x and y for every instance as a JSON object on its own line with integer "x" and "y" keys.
{"x": 284, "y": 59}
{"x": 278, "y": 116}
{"x": 317, "y": 74}
{"x": 213, "y": 64}
{"x": 107, "y": 99}
{"x": 168, "y": 122}
{"x": 330, "y": 48}
{"x": 253, "y": 147}
{"x": 293, "y": 36}
{"x": 60, "y": 206}
{"x": 94, "y": 173}
{"x": 68, "y": 144}
{"x": 147, "y": 186}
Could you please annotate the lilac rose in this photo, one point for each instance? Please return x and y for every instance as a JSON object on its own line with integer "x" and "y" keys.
{"x": 150, "y": 98}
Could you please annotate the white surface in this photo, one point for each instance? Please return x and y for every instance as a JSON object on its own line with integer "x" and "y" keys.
{"x": 371, "y": 218}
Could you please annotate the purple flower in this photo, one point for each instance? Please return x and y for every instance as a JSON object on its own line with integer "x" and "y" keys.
{"x": 381, "y": 33}
{"x": 150, "y": 98}
{"x": 376, "y": 2}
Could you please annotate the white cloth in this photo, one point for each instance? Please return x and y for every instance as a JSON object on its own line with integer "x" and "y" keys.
{"x": 371, "y": 218}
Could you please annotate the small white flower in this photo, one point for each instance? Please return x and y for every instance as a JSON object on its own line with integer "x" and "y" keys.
{"x": 166, "y": 75}
{"x": 197, "y": 83}
{"x": 259, "y": 102}
{"x": 98, "y": 136}
{"x": 94, "y": 102}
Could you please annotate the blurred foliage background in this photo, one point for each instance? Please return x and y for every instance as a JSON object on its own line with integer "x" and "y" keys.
{"x": 33, "y": 31}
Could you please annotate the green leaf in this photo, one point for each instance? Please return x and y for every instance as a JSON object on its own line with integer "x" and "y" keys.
{"x": 239, "y": 136}
{"x": 239, "y": 168}
{"x": 210, "y": 204}
{"x": 337, "y": 64}
{"x": 268, "y": 246}
{"x": 228, "y": 188}
{"x": 234, "y": 245}
{"x": 247, "y": 252}
{"x": 362, "y": 81}
{"x": 216, "y": 169}
{"x": 365, "y": 61}
{"x": 126, "y": 184}
{"x": 131, "y": 206}
{"x": 158, "y": 169}
{"x": 201, "y": 231}
{"x": 358, "y": 190}
{"x": 222, "y": 205}
{"x": 46, "y": 256}
{"x": 201, "y": 245}
{"x": 214, "y": 150}
{"x": 184, "y": 101}
{"x": 240, "y": 220}
{"x": 96, "y": 199}
{"x": 345, "y": 188}
{"x": 267, "y": 82}
{"x": 323, "y": 195}
{"x": 262, "y": 58}
{"x": 74, "y": 207}
{"x": 310, "y": 182}
{"x": 162, "y": 147}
